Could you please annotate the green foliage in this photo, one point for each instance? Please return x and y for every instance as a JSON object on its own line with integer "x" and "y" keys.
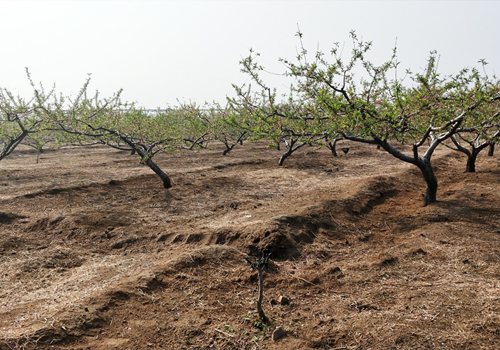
{"x": 355, "y": 99}
{"x": 111, "y": 122}
{"x": 194, "y": 126}
{"x": 248, "y": 316}
{"x": 229, "y": 329}
{"x": 262, "y": 325}
{"x": 331, "y": 96}
{"x": 294, "y": 120}
{"x": 19, "y": 118}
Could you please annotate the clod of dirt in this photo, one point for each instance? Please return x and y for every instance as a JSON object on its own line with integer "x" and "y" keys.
{"x": 96, "y": 322}
{"x": 224, "y": 236}
{"x": 419, "y": 251}
{"x": 283, "y": 300}
{"x": 52, "y": 259}
{"x": 49, "y": 335}
{"x": 278, "y": 333}
{"x": 389, "y": 262}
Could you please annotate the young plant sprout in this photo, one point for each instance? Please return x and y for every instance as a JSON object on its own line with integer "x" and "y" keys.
{"x": 261, "y": 262}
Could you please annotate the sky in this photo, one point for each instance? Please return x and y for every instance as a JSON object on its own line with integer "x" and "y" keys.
{"x": 165, "y": 52}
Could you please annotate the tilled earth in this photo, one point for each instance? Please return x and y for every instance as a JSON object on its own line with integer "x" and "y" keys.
{"x": 95, "y": 254}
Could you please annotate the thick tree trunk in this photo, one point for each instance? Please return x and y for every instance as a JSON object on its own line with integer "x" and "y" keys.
{"x": 152, "y": 165}
{"x": 472, "y": 154}
{"x": 141, "y": 151}
{"x": 471, "y": 162}
{"x": 431, "y": 181}
{"x": 164, "y": 177}
{"x": 491, "y": 150}
{"x": 332, "y": 148}
{"x": 284, "y": 156}
{"x": 289, "y": 151}
{"x": 424, "y": 163}
{"x": 470, "y": 167}
{"x": 9, "y": 147}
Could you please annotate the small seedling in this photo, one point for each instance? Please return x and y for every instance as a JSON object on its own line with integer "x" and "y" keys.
{"x": 261, "y": 262}
{"x": 247, "y": 317}
{"x": 262, "y": 326}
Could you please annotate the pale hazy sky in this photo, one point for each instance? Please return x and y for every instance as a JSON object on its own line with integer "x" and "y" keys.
{"x": 161, "y": 51}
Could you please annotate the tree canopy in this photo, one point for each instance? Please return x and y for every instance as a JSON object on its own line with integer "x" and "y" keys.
{"x": 331, "y": 96}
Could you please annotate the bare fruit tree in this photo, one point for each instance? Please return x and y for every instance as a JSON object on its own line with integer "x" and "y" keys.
{"x": 113, "y": 123}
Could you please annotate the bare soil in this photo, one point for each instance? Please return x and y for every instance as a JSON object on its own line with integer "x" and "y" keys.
{"x": 95, "y": 254}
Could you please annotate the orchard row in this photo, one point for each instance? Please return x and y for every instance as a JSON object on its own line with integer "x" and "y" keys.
{"x": 330, "y": 98}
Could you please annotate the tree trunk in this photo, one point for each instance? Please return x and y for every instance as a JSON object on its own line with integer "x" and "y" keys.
{"x": 289, "y": 151}
{"x": 262, "y": 315}
{"x": 152, "y": 165}
{"x": 431, "y": 181}
{"x": 332, "y": 147}
{"x": 8, "y": 147}
{"x": 491, "y": 150}
{"x": 283, "y": 157}
{"x": 141, "y": 151}
{"x": 230, "y": 148}
{"x": 471, "y": 162}
{"x": 164, "y": 177}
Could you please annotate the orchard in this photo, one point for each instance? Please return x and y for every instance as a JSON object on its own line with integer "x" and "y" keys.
{"x": 317, "y": 189}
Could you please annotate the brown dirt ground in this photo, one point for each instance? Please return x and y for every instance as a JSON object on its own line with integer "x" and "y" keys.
{"x": 95, "y": 254}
